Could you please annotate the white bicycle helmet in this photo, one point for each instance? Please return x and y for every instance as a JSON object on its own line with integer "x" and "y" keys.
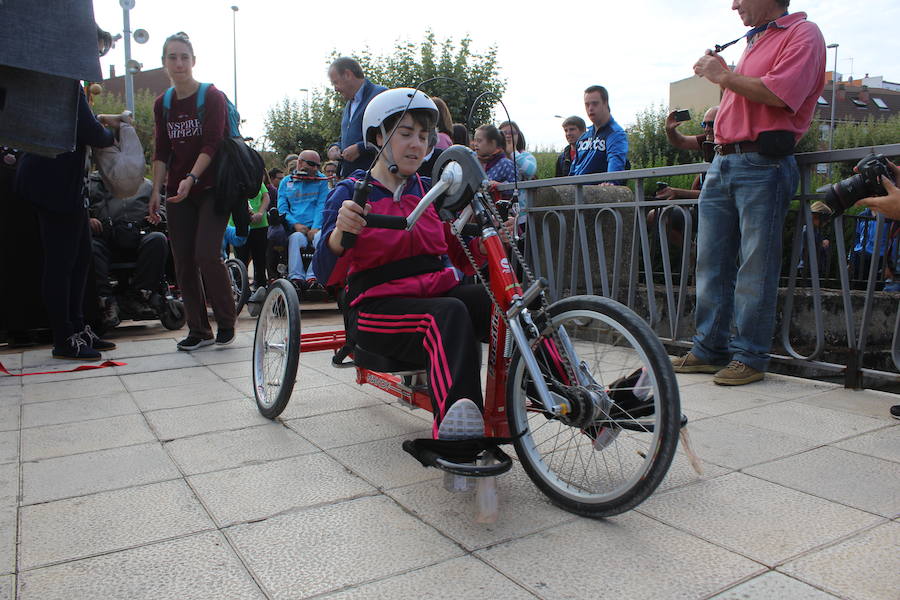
{"x": 391, "y": 102}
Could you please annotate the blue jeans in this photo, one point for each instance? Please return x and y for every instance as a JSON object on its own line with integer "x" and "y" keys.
{"x": 297, "y": 242}
{"x": 742, "y": 209}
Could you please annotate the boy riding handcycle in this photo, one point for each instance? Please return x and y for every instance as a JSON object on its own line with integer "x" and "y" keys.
{"x": 582, "y": 387}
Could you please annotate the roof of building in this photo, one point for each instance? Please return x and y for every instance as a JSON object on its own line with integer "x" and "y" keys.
{"x": 855, "y": 103}
{"x": 155, "y": 80}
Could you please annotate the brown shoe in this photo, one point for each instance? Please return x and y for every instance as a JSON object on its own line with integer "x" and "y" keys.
{"x": 691, "y": 364}
{"x": 737, "y": 373}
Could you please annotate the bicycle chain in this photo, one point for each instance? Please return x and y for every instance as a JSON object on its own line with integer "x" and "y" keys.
{"x": 545, "y": 305}
{"x": 495, "y": 216}
{"x": 477, "y": 269}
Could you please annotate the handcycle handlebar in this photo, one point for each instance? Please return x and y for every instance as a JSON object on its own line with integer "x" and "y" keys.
{"x": 360, "y": 196}
{"x": 385, "y": 222}
{"x": 452, "y": 179}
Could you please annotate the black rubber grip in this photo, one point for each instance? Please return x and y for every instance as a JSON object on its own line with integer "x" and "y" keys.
{"x": 361, "y": 197}
{"x": 386, "y": 221}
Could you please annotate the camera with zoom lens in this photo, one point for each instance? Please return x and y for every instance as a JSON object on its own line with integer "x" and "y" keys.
{"x": 864, "y": 183}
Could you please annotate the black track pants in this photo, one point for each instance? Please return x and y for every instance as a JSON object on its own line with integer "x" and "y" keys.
{"x": 443, "y": 333}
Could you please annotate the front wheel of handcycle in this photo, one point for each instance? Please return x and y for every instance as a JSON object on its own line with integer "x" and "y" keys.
{"x": 276, "y": 349}
{"x": 616, "y": 440}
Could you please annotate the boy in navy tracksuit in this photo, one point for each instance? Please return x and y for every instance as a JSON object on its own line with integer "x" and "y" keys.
{"x": 423, "y": 314}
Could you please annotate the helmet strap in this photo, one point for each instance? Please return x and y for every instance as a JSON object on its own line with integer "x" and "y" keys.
{"x": 392, "y": 165}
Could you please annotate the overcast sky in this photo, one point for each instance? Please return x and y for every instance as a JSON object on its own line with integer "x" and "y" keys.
{"x": 547, "y": 52}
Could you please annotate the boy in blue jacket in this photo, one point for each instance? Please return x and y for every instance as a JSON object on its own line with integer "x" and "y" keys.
{"x": 301, "y": 203}
{"x": 603, "y": 148}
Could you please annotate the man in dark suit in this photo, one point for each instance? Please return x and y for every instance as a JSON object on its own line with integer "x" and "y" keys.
{"x": 348, "y": 80}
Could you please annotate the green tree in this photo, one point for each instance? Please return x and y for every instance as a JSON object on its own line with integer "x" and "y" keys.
{"x": 870, "y": 132}
{"x": 143, "y": 115}
{"x": 473, "y": 73}
{"x": 648, "y": 145}
{"x": 291, "y": 125}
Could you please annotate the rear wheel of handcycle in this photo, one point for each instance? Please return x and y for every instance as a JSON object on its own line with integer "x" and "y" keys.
{"x": 276, "y": 349}
{"x": 240, "y": 282}
{"x": 614, "y": 448}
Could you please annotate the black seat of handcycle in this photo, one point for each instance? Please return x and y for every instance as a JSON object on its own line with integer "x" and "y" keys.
{"x": 122, "y": 266}
{"x": 383, "y": 364}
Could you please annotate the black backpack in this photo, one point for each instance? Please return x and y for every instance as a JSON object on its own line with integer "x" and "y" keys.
{"x": 239, "y": 177}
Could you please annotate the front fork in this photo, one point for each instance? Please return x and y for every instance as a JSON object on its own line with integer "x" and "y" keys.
{"x": 514, "y": 301}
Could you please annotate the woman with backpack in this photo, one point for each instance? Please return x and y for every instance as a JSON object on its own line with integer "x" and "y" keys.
{"x": 186, "y": 143}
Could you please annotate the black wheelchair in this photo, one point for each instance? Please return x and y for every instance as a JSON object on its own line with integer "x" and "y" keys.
{"x": 277, "y": 258}
{"x": 163, "y": 304}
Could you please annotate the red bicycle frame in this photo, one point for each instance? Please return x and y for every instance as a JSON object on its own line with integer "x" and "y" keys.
{"x": 504, "y": 286}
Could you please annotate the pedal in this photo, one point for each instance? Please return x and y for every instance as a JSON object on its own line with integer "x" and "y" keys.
{"x": 480, "y": 457}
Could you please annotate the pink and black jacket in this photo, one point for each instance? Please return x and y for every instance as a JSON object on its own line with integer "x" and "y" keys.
{"x": 378, "y": 247}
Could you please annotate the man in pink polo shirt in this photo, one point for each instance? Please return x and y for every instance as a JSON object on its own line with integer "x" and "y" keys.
{"x": 767, "y": 106}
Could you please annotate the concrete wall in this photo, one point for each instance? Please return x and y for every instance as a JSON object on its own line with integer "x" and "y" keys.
{"x": 694, "y": 93}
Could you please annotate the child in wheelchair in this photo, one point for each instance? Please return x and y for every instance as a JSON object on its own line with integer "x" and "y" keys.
{"x": 403, "y": 300}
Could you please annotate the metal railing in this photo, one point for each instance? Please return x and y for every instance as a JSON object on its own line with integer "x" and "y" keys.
{"x": 566, "y": 243}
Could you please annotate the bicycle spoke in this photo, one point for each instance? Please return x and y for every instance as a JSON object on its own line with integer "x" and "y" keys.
{"x": 614, "y": 378}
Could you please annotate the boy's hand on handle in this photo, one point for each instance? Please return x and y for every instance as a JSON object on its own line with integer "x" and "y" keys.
{"x": 350, "y": 217}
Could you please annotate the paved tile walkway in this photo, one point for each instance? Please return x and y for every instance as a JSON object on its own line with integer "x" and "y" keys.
{"x": 160, "y": 480}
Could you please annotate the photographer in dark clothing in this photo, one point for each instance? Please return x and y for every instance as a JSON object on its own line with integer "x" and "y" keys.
{"x": 121, "y": 232}
{"x": 55, "y": 186}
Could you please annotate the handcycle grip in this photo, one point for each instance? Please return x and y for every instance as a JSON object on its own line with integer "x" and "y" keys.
{"x": 360, "y": 196}
{"x": 385, "y": 221}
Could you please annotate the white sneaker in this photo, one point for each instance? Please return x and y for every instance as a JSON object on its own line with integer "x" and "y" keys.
{"x": 463, "y": 421}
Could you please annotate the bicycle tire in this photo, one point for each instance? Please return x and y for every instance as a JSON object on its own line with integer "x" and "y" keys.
{"x": 276, "y": 349}
{"x": 624, "y": 342}
{"x": 240, "y": 282}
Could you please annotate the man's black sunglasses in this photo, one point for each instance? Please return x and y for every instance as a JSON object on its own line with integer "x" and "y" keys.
{"x": 311, "y": 163}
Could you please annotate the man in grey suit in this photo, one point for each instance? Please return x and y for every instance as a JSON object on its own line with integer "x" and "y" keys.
{"x": 348, "y": 80}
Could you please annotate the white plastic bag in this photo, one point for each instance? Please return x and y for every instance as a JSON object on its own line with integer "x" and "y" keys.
{"x": 122, "y": 165}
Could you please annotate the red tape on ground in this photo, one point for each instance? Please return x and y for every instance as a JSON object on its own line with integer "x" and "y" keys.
{"x": 103, "y": 365}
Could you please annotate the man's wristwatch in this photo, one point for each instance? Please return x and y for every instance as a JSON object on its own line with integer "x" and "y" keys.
{"x": 194, "y": 177}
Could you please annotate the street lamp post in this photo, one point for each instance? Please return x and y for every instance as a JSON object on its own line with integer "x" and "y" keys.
{"x": 307, "y": 100}
{"x": 127, "y": 5}
{"x": 833, "y": 95}
{"x": 234, "y": 10}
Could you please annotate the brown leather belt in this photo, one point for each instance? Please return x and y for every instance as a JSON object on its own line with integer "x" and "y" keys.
{"x": 736, "y": 148}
